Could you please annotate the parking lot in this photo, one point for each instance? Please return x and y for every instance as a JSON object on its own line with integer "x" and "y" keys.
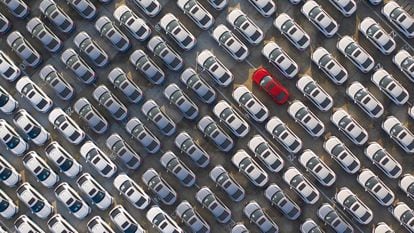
{"x": 242, "y": 72}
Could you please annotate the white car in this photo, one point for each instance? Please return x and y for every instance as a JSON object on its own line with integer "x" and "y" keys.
{"x": 34, "y": 94}
{"x": 164, "y": 123}
{"x": 98, "y": 159}
{"x": 57, "y": 16}
{"x": 383, "y": 160}
{"x": 245, "y": 26}
{"x": 78, "y": 66}
{"x": 7, "y": 103}
{"x": 282, "y": 201}
{"x": 315, "y": 93}
{"x": 173, "y": 164}
{"x": 346, "y": 7}
{"x": 160, "y": 187}
{"x": 18, "y": 8}
{"x": 223, "y": 179}
{"x": 85, "y": 8}
{"x": 31, "y": 127}
{"x": 375, "y": 187}
{"x": 331, "y": 217}
{"x": 399, "y": 133}
{"x": 44, "y": 35}
{"x": 377, "y": 35}
{"x": 66, "y": 163}
{"x": 318, "y": 169}
{"x": 58, "y": 224}
{"x": 144, "y": 136}
{"x": 231, "y": 44}
{"x": 150, "y": 7}
{"x": 97, "y": 224}
{"x": 239, "y": 228}
{"x": 399, "y": 18}
{"x": 250, "y": 103}
{"x": 217, "y": 208}
{"x": 248, "y": 167}
{"x": 284, "y": 135}
{"x": 342, "y": 155}
{"x": 215, "y": 68}
{"x": 136, "y": 26}
{"x": 87, "y": 45}
{"x": 279, "y": 58}
{"x": 120, "y": 80}
{"x": 91, "y": 116}
{"x": 320, "y": 18}
{"x": 160, "y": 48}
{"x": 110, "y": 102}
{"x": 146, "y": 66}
{"x": 209, "y": 128}
{"x": 94, "y": 191}
{"x": 307, "y": 119}
{"x": 197, "y": 13}
{"x": 33, "y": 200}
{"x": 218, "y": 4}
{"x": 256, "y": 214}
{"x": 292, "y": 31}
{"x": 8, "y": 207}
{"x": 124, "y": 221}
{"x": 266, "y": 153}
{"x": 349, "y": 126}
{"x": 310, "y": 226}
{"x": 8, "y": 69}
{"x": 186, "y": 144}
{"x": 57, "y": 82}
{"x": 23, "y": 49}
{"x": 404, "y": 215}
{"x": 198, "y": 85}
{"x": 38, "y": 167}
{"x": 382, "y": 227}
{"x": 330, "y": 66}
{"x": 411, "y": 112}
{"x": 187, "y": 213}
{"x": 301, "y": 185}
{"x": 124, "y": 151}
{"x": 72, "y": 201}
{"x": 162, "y": 221}
{"x": 5, "y": 24}
{"x": 365, "y": 100}
{"x": 390, "y": 86}
{"x": 354, "y": 206}
{"x": 107, "y": 28}
{"x": 264, "y": 7}
{"x": 11, "y": 140}
{"x": 66, "y": 126}
{"x": 406, "y": 184}
{"x": 10, "y": 176}
{"x": 134, "y": 194}
{"x": 177, "y": 97}
{"x": 177, "y": 31}
{"x": 25, "y": 224}
{"x": 232, "y": 120}
{"x": 356, "y": 54}
{"x": 405, "y": 62}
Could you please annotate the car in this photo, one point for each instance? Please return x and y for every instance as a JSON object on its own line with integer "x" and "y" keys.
{"x": 284, "y": 135}
{"x": 97, "y": 224}
{"x": 34, "y": 94}
{"x": 315, "y": 93}
{"x": 94, "y": 191}
{"x": 256, "y": 214}
{"x": 264, "y": 7}
{"x": 383, "y": 160}
{"x": 18, "y": 8}
{"x": 58, "y": 224}
{"x": 162, "y": 221}
{"x": 41, "y": 32}
{"x": 198, "y": 85}
{"x": 270, "y": 85}
{"x": 356, "y": 54}
{"x": 249, "y": 168}
{"x": 404, "y": 214}
{"x": 292, "y": 31}
{"x": 9, "y": 175}
{"x": 153, "y": 112}
{"x": 85, "y": 8}
{"x": 8, "y": 207}
{"x": 55, "y": 80}
{"x": 405, "y": 62}
{"x": 8, "y": 104}
{"x": 136, "y": 26}
{"x": 197, "y": 13}
{"x": 11, "y": 140}
{"x": 185, "y": 143}
{"x": 107, "y": 28}
{"x": 32, "y": 129}
{"x": 90, "y": 115}
{"x": 239, "y": 228}
{"x": 162, "y": 50}
{"x": 320, "y": 18}
{"x": 227, "y": 183}
{"x": 382, "y": 227}
{"x": 84, "y": 42}
{"x": 124, "y": 221}
{"x": 78, "y": 66}
{"x": 231, "y": 44}
{"x": 250, "y": 103}
{"x": 375, "y": 187}
{"x": 38, "y": 167}
{"x": 218, "y": 4}
{"x": 110, "y": 102}
{"x": 134, "y": 194}
{"x": 144, "y": 136}
{"x": 173, "y": 164}
{"x": 282, "y": 201}
{"x": 25, "y": 224}
{"x": 187, "y": 213}
{"x": 124, "y": 151}
{"x": 317, "y": 168}
{"x": 245, "y": 26}
{"x": 35, "y": 201}
{"x": 72, "y": 201}
{"x": 280, "y": 59}
{"x": 399, "y": 133}
{"x": 140, "y": 60}
{"x": 346, "y": 7}
{"x": 349, "y": 126}
{"x": 309, "y": 226}
{"x": 66, "y": 163}
{"x": 399, "y": 18}
{"x": 5, "y": 24}
{"x": 129, "y": 88}
{"x": 377, "y": 35}
{"x": 172, "y": 26}
{"x": 354, "y": 206}
{"x": 232, "y": 120}
{"x": 342, "y": 155}
{"x": 329, "y": 65}
{"x": 307, "y": 119}
{"x": 8, "y": 69}
{"x": 365, "y": 100}
{"x": 390, "y": 86}
{"x": 23, "y": 49}
{"x": 215, "y": 68}
{"x": 331, "y": 217}
{"x": 150, "y": 7}
{"x": 217, "y": 208}
{"x": 265, "y": 153}
{"x": 66, "y": 126}
{"x": 411, "y": 112}
{"x": 56, "y": 16}
{"x": 209, "y": 128}
{"x": 98, "y": 159}
{"x": 301, "y": 185}
{"x": 153, "y": 180}
{"x": 177, "y": 97}
{"x": 406, "y": 184}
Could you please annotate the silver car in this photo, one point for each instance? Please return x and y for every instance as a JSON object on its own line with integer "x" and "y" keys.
{"x": 176, "y": 96}
{"x": 405, "y": 62}
{"x": 349, "y": 126}
{"x": 32, "y": 92}
{"x": 266, "y": 153}
{"x": 354, "y": 206}
{"x": 57, "y": 16}
{"x": 8, "y": 70}
{"x": 11, "y": 140}
{"x": 98, "y": 159}
{"x": 310, "y": 226}
{"x": 147, "y": 67}
{"x": 320, "y": 18}
{"x": 39, "y": 30}
{"x": 173, "y": 164}
{"x": 227, "y": 183}
{"x": 399, "y": 133}
{"x": 147, "y": 139}
{"x": 342, "y": 155}
{"x": 124, "y": 221}
{"x": 38, "y": 167}
{"x": 198, "y": 85}
{"x": 150, "y": 7}
{"x": 307, "y": 119}
{"x": 375, "y": 187}
{"x": 17, "y": 7}
{"x": 31, "y": 127}
{"x": 209, "y": 200}
{"x": 406, "y": 184}
{"x": 90, "y": 48}
{"x": 112, "y": 104}
{"x": 187, "y": 213}
{"x": 365, "y": 100}
{"x": 255, "y": 213}
{"x": 78, "y": 66}
{"x": 284, "y": 135}
{"x": 23, "y": 49}
{"x": 66, "y": 126}
{"x": 377, "y": 35}
{"x": 346, "y": 7}
{"x": 250, "y": 103}
{"x": 232, "y": 120}
{"x": 218, "y": 4}
{"x": 97, "y": 224}
{"x": 209, "y": 128}
{"x": 34, "y": 201}
{"x": 197, "y": 13}
{"x": 94, "y": 191}
{"x": 231, "y": 44}
{"x": 248, "y": 167}
{"x": 383, "y": 160}
{"x": 292, "y": 31}
{"x": 264, "y": 7}
{"x": 24, "y": 223}
{"x": 301, "y": 185}
{"x": 390, "y": 86}
{"x": 7, "y": 103}
{"x": 161, "y": 49}
{"x": 90, "y": 115}
{"x": 111, "y": 32}
{"x": 186, "y": 144}
{"x": 63, "y": 159}
{"x": 5, "y": 24}
{"x": 129, "y": 88}
{"x": 54, "y": 79}
{"x": 136, "y": 26}
{"x": 162, "y": 221}
{"x": 177, "y": 31}
{"x": 124, "y": 151}
{"x": 315, "y": 93}
{"x": 404, "y": 215}
{"x": 215, "y": 68}
{"x": 159, "y": 186}
{"x": 245, "y": 26}
{"x": 74, "y": 203}
{"x": 134, "y": 194}
{"x": 153, "y": 112}
{"x": 59, "y": 224}
{"x": 356, "y": 54}
{"x": 329, "y": 65}
{"x": 317, "y": 168}
{"x": 84, "y": 7}
{"x": 280, "y": 59}
{"x": 330, "y": 216}
{"x": 12, "y": 177}
{"x": 282, "y": 201}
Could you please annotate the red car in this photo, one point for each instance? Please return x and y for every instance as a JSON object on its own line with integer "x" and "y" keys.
{"x": 274, "y": 88}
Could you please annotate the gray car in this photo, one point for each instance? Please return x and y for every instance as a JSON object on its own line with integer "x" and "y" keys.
{"x": 255, "y": 213}
{"x": 124, "y": 151}
{"x": 74, "y": 62}
{"x": 23, "y": 49}
{"x": 84, "y": 7}
{"x": 56, "y": 15}
{"x": 112, "y": 104}
{"x": 54, "y": 79}
{"x": 201, "y": 88}
{"x": 163, "y": 122}
{"x": 186, "y": 144}
{"x": 178, "y": 168}
{"x": 187, "y": 213}
{"x": 90, "y": 115}
{"x": 130, "y": 89}
{"x": 159, "y": 186}
{"x": 161, "y": 49}
{"x": 136, "y": 26}
{"x": 227, "y": 183}
{"x": 177, "y": 97}
{"x": 147, "y": 67}
{"x": 283, "y": 202}
{"x": 90, "y": 48}
{"x": 147, "y": 139}
{"x": 215, "y": 68}
{"x": 214, "y": 132}
{"x": 210, "y": 201}
{"x": 107, "y": 29}
{"x": 39, "y": 30}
